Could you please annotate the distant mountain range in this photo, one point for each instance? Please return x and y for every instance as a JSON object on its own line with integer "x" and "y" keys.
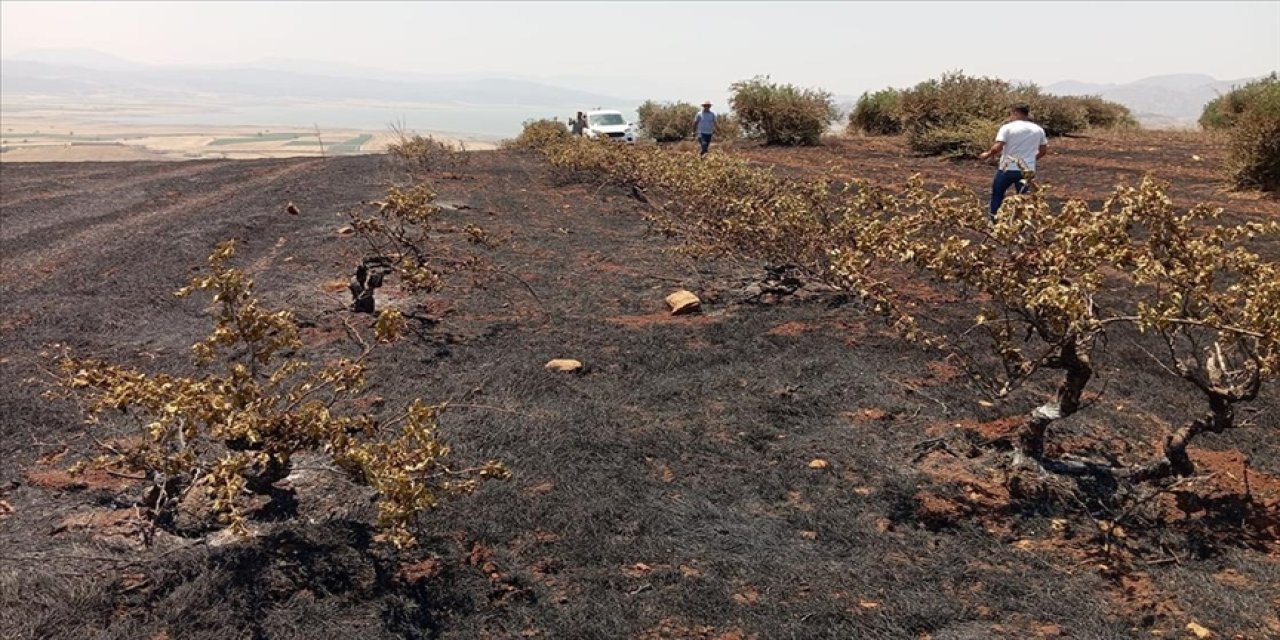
{"x": 79, "y": 57}
{"x": 1175, "y": 99}
{"x": 78, "y": 72}
{"x": 1167, "y": 100}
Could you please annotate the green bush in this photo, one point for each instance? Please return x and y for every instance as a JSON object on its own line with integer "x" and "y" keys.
{"x": 1105, "y": 114}
{"x": 1253, "y": 161}
{"x": 877, "y": 113}
{"x": 668, "y": 121}
{"x": 728, "y": 128}
{"x": 1223, "y": 111}
{"x": 782, "y": 114}
{"x": 537, "y": 134}
{"x": 426, "y": 153}
{"x": 1218, "y": 114}
{"x": 1057, "y": 115}
{"x": 966, "y": 139}
{"x": 955, "y": 115}
{"x": 1250, "y": 114}
{"x": 955, "y": 99}
{"x": 942, "y": 116}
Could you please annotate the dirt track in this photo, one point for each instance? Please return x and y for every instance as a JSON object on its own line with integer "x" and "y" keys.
{"x": 666, "y": 493}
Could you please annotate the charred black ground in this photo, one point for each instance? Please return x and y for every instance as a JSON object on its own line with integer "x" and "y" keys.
{"x": 664, "y": 493}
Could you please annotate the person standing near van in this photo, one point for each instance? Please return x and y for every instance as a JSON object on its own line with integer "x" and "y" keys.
{"x": 705, "y": 124}
{"x": 1020, "y": 142}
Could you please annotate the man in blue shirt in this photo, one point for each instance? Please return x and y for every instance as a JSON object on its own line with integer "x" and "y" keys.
{"x": 705, "y": 123}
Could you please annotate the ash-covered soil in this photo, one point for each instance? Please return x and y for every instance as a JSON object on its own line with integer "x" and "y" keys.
{"x": 666, "y": 492}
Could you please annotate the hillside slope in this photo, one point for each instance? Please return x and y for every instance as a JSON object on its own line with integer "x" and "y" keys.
{"x": 665, "y": 493}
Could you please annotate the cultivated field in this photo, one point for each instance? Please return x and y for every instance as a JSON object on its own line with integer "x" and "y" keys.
{"x": 28, "y": 137}
{"x": 778, "y": 466}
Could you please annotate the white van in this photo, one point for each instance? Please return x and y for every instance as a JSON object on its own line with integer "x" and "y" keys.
{"x": 609, "y": 124}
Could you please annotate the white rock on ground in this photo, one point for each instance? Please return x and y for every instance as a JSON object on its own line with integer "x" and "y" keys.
{"x": 682, "y": 302}
{"x": 564, "y": 364}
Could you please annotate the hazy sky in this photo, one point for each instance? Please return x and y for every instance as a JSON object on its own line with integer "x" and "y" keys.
{"x": 672, "y": 49}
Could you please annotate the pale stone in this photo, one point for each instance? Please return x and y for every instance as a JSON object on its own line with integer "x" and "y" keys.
{"x": 682, "y": 302}
{"x": 565, "y": 365}
{"x": 1199, "y": 631}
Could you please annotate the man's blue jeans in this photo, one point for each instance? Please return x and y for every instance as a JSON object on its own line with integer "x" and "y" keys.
{"x": 1004, "y": 180}
{"x": 704, "y": 142}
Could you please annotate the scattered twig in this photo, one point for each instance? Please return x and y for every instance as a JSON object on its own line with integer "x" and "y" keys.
{"x": 663, "y": 278}
{"x": 119, "y": 562}
{"x": 526, "y": 285}
{"x": 355, "y": 334}
{"x": 604, "y": 184}
{"x": 1192, "y": 323}
{"x": 124, "y": 475}
{"x": 926, "y": 447}
{"x": 946, "y": 410}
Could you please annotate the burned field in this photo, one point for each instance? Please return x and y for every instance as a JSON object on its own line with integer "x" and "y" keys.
{"x": 777, "y": 466}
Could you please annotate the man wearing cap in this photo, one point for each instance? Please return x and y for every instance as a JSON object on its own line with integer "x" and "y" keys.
{"x": 705, "y": 123}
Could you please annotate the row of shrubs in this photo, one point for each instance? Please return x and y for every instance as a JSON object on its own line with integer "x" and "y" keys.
{"x": 1250, "y": 115}
{"x": 957, "y": 115}
{"x": 781, "y": 114}
{"x": 673, "y": 122}
{"x": 1035, "y": 269}
{"x": 953, "y": 115}
{"x": 1226, "y": 110}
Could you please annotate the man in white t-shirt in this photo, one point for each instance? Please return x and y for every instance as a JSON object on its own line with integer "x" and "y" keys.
{"x": 705, "y": 123}
{"x": 1020, "y": 143}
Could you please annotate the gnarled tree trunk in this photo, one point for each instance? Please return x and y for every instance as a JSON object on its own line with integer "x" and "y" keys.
{"x": 1078, "y": 371}
{"x": 1176, "y": 462}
